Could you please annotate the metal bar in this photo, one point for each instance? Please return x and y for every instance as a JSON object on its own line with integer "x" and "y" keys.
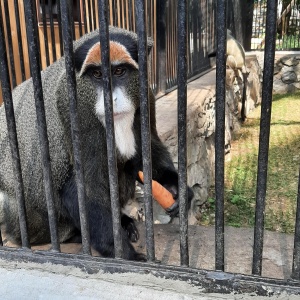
{"x": 52, "y": 31}
{"x": 59, "y": 29}
{"x": 84, "y": 16}
{"x": 90, "y": 15}
{"x": 109, "y": 121}
{"x": 161, "y": 46}
{"x": 79, "y": 18}
{"x": 220, "y": 131}
{"x": 182, "y": 117}
{"x": 46, "y": 42}
{"x": 71, "y": 17}
{"x": 10, "y": 45}
{"x": 207, "y": 281}
{"x": 75, "y": 132}
{"x": 34, "y": 54}
{"x": 145, "y": 124}
{"x": 94, "y": 14}
{"x": 12, "y": 134}
{"x": 296, "y": 255}
{"x": 20, "y": 43}
{"x": 264, "y": 136}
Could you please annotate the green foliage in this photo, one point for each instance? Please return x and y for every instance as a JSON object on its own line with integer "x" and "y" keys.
{"x": 283, "y": 169}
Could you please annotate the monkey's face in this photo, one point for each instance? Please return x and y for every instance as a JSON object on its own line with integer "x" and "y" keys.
{"x": 124, "y": 71}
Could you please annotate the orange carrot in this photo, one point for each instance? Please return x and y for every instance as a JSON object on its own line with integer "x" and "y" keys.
{"x": 160, "y": 194}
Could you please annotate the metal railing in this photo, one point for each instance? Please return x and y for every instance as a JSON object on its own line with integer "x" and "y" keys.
{"x": 288, "y": 25}
{"x": 162, "y": 28}
{"x": 216, "y": 280}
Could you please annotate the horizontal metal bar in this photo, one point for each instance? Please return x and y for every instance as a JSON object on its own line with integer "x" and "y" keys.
{"x": 207, "y": 281}
{"x": 264, "y": 136}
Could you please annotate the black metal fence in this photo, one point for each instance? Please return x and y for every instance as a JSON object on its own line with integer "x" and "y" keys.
{"x": 162, "y": 28}
{"x": 288, "y": 25}
{"x": 186, "y": 64}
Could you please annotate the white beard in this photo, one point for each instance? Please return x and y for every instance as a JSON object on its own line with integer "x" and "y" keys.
{"x": 123, "y": 120}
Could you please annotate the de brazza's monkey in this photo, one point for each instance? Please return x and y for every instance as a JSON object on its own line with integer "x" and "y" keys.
{"x": 90, "y": 106}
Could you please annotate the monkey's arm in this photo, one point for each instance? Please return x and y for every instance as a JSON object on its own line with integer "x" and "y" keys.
{"x": 163, "y": 170}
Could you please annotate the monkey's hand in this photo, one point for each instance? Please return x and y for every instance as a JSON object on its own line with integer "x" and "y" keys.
{"x": 173, "y": 210}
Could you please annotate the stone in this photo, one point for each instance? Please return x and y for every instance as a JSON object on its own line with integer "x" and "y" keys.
{"x": 296, "y": 85}
{"x": 289, "y": 60}
{"x": 289, "y": 77}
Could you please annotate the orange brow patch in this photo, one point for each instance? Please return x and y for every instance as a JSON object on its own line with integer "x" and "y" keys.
{"x": 118, "y": 54}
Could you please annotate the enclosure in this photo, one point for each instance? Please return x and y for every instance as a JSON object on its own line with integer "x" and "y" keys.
{"x": 184, "y": 33}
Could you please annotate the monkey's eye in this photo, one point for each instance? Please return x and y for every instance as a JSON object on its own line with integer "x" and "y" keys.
{"x": 97, "y": 74}
{"x": 119, "y": 71}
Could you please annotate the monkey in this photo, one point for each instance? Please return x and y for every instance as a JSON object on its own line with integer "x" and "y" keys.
{"x": 235, "y": 59}
{"x": 92, "y": 128}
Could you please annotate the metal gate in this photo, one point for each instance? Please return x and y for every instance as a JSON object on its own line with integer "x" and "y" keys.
{"x": 288, "y": 24}
{"x": 216, "y": 280}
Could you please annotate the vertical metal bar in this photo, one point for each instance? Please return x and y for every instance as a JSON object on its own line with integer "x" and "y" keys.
{"x": 296, "y": 255}
{"x": 161, "y": 45}
{"x": 182, "y": 113}
{"x": 10, "y": 45}
{"x": 72, "y": 93}
{"x": 12, "y": 134}
{"x": 34, "y": 54}
{"x": 264, "y": 136}
{"x": 220, "y": 131}
{"x": 20, "y": 43}
{"x": 94, "y": 14}
{"x": 90, "y": 15}
{"x": 84, "y": 16}
{"x": 46, "y": 42}
{"x": 71, "y": 17}
{"x": 59, "y": 28}
{"x": 52, "y": 30}
{"x": 79, "y": 17}
{"x": 109, "y": 122}
{"x": 145, "y": 124}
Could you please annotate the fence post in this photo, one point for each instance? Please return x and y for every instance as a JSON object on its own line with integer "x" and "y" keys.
{"x": 161, "y": 46}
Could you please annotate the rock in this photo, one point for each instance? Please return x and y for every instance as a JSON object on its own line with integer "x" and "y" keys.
{"x": 297, "y": 85}
{"x": 286, "y": 71}
{"x": 289, "y": 60}
{"x": 289, "y": 77}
